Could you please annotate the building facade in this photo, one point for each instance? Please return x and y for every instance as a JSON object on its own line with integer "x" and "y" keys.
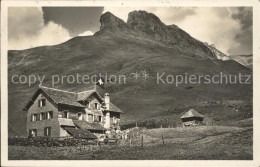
{"x": 58, "y": 113}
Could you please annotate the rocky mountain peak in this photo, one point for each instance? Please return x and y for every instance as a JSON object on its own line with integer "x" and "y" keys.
{"x": 149, "y": 26}
{"x": 111, "y": 22}
{"x": 143, "y": 20}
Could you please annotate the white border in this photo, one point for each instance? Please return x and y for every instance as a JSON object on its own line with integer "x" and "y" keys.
{"x": 162, "y": 3}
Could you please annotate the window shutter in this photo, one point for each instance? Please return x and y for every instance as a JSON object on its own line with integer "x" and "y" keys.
{"x": 51, "y": 114}
{"x": 31, "y": 117}
{"x": 45, "y": 131}
{"x": 39, "y": 103}
{"x": 35, "y": 132}
{"x": 49, "y": 131}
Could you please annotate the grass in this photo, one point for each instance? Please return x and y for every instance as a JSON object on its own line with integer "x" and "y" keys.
{"x": 199, "y": 143}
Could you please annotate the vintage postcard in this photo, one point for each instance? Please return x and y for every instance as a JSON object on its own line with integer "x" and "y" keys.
{"x": 161, "y": 83}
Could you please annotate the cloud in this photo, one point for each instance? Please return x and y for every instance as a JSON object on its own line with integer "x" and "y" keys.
{"x": 26, "y": 29}
{"x": 230, "y": 29}
{"x": 75, "y": 19}
{"x": 86, "y": 33}
{"x": 213, "y": 25}
{"x": 245, "y": 37}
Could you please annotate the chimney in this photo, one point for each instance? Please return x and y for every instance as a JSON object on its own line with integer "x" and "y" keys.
{"x": 107, "y": 101}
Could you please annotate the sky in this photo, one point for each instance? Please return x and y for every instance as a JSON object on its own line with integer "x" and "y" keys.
{"x": 229, "y": 29}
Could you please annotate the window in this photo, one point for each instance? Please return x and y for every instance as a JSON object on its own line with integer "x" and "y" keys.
{"x": 66, "y": 114}
{"x": 79, "y": 116}
{"x": 49, "y": 114}
{"x": 96, "y": 105}
{"x": 47, "y": 131}
{"x": 99, "y": 119}
{"x": 32, "y": 132}
{"x": 43, "y": 116}
{"x": 34, "y": 117}
{"x": 41, "y": 102}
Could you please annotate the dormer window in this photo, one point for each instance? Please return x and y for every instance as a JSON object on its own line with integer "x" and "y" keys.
{"x": 96, "y": 105}
{"x": 41, "y": 103}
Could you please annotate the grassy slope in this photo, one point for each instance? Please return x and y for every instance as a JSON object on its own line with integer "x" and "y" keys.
{"x": 246, "y": 60}
{"x": 140, "y": 99}
{"x": 198, "y": 143}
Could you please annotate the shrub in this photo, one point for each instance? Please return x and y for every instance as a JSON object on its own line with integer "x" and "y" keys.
{"x": 47, "y": 142}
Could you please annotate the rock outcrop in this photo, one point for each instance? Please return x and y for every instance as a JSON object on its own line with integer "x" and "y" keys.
{"x": 219, "y": 55}
{"x": 147, "y": 25}
{"x": 111, "y": 23}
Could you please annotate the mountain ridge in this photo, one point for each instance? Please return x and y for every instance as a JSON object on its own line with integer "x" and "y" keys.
{"x": 148, "y": 25}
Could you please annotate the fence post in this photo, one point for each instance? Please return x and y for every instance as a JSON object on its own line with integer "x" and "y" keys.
{"x": 142, "y": 141}
{"x": 162, "y": 139}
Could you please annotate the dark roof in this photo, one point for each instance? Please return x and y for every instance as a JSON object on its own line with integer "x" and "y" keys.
{"x": 114, "y": 108}
{"x": 80, "y": 133}
{"x": 62, "y": 97}
{"x": 68, "y": 98}
{"x": 88, "y": 126}
{"x": 84, "y": 95}
{"x": 192, "y": 113}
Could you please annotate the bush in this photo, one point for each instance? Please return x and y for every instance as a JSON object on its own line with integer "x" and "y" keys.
{"x": 48, "y": 142}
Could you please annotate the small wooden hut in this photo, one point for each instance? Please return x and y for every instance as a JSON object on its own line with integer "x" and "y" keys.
{"x": 192, "y": 118}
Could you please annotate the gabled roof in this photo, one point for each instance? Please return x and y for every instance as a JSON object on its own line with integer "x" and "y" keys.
{"x": 84, "y": 95}
{"x": 68, "y": 98}
{"x": 61, "y": 96}
{"x": 88, "y": 126}
{"x": 80, "y": 133}
{"x": 192, "y": 113}
{"x": 114, "y": 108}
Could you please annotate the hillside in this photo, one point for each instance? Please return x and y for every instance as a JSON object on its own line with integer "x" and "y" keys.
{"x": 246, "y": 60}
{"x": 143, "y": 44}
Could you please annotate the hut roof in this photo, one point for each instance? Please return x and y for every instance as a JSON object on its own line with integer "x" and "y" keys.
{"x": 192, "y": 113}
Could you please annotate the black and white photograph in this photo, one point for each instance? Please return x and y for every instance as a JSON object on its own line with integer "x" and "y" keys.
{"x": 129, "y": 82}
